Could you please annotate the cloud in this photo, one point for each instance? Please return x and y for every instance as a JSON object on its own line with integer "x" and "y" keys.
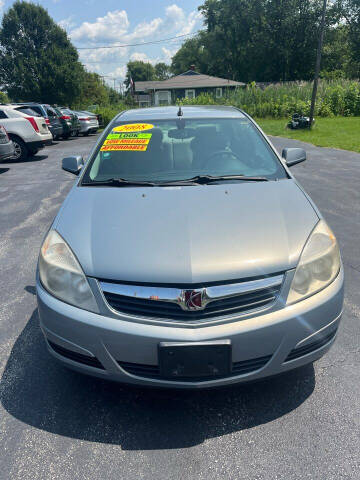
{"x": 119, "y": 72}
{"x": 109, "y": 28}
{"x": 67, "y": 23}
{"x": 106, "y": 55}
{"x": 114, "y": 27}
{"x": 140, "y": 56}
{"x": 2, "y": 3}
{"x": 168, "y": 53}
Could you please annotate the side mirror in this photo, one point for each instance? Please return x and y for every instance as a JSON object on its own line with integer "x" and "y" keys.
{"x": 73, "y": 164}
{"x": 292, "y": 156}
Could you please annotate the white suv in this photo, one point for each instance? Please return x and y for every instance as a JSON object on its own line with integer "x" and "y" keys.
{"x": 28, "y": 131}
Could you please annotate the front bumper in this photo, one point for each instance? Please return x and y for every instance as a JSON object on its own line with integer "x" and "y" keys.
{"x": 7, "y": 150}
{"x": 287, "y": 337}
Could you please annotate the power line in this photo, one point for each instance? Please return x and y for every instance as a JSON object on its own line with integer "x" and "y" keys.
{"x": 139, "y": 44}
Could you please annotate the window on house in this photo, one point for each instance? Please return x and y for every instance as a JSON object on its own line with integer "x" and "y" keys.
{"x": 190, "y": 93}
{"x": 163, "y": 97}
{"x": 219, "y": 92}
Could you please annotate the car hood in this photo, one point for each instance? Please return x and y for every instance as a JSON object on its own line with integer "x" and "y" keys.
{"x": 188, "y": 234}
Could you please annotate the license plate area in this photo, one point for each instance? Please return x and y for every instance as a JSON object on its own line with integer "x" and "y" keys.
{"x": 195, "y": 360}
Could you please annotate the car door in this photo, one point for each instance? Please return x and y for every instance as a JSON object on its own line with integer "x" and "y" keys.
{"x": 53, "y": 117}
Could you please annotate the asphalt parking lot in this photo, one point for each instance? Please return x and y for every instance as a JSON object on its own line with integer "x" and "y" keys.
{"x": 57, "y": 424}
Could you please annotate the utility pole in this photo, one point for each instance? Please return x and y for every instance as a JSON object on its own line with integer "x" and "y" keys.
{"x": 318, "y": 63}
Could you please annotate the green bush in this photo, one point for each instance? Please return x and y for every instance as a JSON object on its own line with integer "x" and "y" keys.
{"x": 108, "y": 113}
{"x": 335, "y": 97}
{"x": 3, "y": 98}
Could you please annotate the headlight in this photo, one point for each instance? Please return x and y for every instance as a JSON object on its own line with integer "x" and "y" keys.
{"x": 318, "y": 266}
{"x": 61, "y": 274}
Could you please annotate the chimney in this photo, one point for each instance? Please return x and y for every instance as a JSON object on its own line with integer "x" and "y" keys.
{"x": 192, "y": 67}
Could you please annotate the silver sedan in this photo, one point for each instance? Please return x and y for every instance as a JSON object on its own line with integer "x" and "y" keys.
{"x": 187, "y": 255}
{"x": 88, "y": 122}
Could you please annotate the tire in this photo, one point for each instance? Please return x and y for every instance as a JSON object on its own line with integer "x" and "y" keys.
{"x": 21, "y": 150}
{"x": 33, "y": 151}
{"x": 66, "y": 136}
{"x": 86, "y": 134}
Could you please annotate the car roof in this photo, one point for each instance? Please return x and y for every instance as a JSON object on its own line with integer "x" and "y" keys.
{"x": 189, "y": 111}
{"x": 14, "y": 107}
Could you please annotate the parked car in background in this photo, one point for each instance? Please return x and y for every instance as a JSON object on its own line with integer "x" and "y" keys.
{"x": 28, "y": 131}
{"x": 88, "y": 122}
{"x": 7, "y": 148}
{"x": 71, "y": 122}
{"x": 52, "y": 118}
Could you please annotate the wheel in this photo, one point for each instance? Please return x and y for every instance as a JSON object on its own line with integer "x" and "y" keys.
{"x": 66, "y": 136}
{"x": 21, "y": 150}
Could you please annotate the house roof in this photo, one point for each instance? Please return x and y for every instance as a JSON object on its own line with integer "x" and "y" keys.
{"x": 186, "y": 80}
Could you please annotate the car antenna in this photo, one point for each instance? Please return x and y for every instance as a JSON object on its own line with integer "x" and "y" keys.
{"x": 180, "y": 112}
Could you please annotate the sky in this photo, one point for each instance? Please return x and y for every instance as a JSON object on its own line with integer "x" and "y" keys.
{"x": 92, "y": 23}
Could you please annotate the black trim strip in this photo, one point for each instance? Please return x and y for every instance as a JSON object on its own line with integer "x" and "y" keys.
{"x": 153, "y": 371}
{"x": 76, "y": 357}
{"x": 310, "y": 347}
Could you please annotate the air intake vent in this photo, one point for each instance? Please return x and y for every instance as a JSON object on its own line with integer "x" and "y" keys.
{"x": 76, "y": 357}
{"x": 310, "y": 347}
{"x": 152, "y": 371}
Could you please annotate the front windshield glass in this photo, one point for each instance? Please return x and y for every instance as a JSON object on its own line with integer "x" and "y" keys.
{"x": 179, "y": 149}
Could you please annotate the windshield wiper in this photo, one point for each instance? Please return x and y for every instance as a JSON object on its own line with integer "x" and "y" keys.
{"x": 197, "y": 180}
{"x": 118, "y": 182}
{"x": 206, "y": 179}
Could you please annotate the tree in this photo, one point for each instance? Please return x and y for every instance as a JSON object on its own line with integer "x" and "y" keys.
{"x": 350, "y": 11}
{"x": 262, "y": 40}
{"x": 139, "y": 71}
{"x": 92, "y": 91}
{"x": 192, "y": 52}
{"x": 37, "y": 60}
{"x": 162, "y": 71}
{"x": 336, "y": 59}
{"x": 3, "y": 98}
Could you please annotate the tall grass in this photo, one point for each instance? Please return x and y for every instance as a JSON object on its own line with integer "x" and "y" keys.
{"x": 337, "y": 97}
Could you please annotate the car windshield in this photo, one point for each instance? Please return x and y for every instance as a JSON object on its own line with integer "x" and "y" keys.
{"x": 179, "y": 149}
{"x": 28, "y": 111}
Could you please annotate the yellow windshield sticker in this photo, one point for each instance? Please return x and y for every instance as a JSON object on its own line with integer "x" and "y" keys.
{"x": 128, "y": 141}
{"x": 111, "y": 136}
{"x": 115, "y": 148}
{"x": 133, "y": 127}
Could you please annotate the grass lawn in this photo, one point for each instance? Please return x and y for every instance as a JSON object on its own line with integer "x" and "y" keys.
{"x": 337, "y": 132}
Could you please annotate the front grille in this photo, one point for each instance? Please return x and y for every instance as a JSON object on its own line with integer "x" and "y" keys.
{"x": 76, "y": 357}
{"x": 153, "y": 371}
{"x": 310, "y": 347}
{"x": 140, "y": 300}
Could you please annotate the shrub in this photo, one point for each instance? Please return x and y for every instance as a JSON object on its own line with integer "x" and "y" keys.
{"x": 335, "y": 97}
{"x": 108, "y": 113}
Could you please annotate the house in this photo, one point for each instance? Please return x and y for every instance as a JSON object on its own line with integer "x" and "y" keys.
{"x": 189, "y": 84}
